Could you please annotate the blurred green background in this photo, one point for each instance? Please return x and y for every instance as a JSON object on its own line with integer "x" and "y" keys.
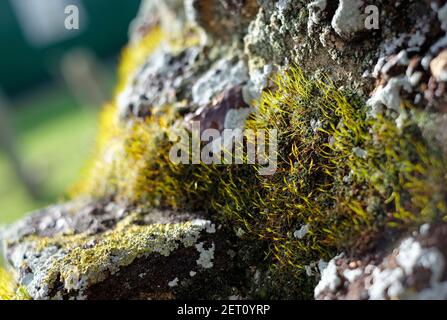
{"x": 52, "y": 83}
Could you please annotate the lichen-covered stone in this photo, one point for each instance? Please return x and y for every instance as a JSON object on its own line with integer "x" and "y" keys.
{"x": 165, "y": 79}
{"x": 360, "y": 117}
{"x": 60, "y": 253}
{"x": 412, "y": 269}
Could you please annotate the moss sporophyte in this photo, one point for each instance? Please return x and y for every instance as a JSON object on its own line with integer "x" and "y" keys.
{"x": 9, "y": 289}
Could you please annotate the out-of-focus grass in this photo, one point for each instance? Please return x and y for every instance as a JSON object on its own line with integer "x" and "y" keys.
{"x": 54, "y": 137}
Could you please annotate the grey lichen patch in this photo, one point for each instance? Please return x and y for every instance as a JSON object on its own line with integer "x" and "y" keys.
{"x": 66, "y": 265}
{"x": 330, "y": 280}
{"x": 83, "y": 215}
{"x": 269, "y": 33}
{"x": 389, "y": 96}
{"x": 301, "y": 232}
{"x": 173, "y": 283}
{"x": 300, "y": 32}
{"x": 184, "y": 79}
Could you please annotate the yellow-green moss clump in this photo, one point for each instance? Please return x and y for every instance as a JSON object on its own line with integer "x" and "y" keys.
{"x": 79, "y": 261}
{"x": 342, "y": 178}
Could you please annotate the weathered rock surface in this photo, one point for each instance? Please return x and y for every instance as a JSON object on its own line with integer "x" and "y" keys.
{"x": 415, "y": 268}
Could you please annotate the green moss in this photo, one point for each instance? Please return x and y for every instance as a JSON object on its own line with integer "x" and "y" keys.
{"x": 344, "y": 176}
{"x": 9, "y": 290}
{"x": 22, "y": 294}
{"x": 317, "y": 131}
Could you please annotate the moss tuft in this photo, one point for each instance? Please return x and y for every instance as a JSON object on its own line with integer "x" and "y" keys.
{"x": 342, "y": 177}
{"x": 9, "y": 290}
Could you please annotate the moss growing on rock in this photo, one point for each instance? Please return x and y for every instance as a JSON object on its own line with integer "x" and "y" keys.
{"x": 7, "y": 285}
{"x": 9, "y": 290}
{"x": 341, "y": 175}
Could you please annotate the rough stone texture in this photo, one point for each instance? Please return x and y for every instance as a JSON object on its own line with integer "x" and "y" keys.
{"x": 109, "y": 249}
{"x": 349, "y": 19}
{"x": 84, "y": 250}
{"x": 412, "y": 269}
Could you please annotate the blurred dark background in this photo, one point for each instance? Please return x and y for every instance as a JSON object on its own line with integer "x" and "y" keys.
{"x": 52, "y": 82}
